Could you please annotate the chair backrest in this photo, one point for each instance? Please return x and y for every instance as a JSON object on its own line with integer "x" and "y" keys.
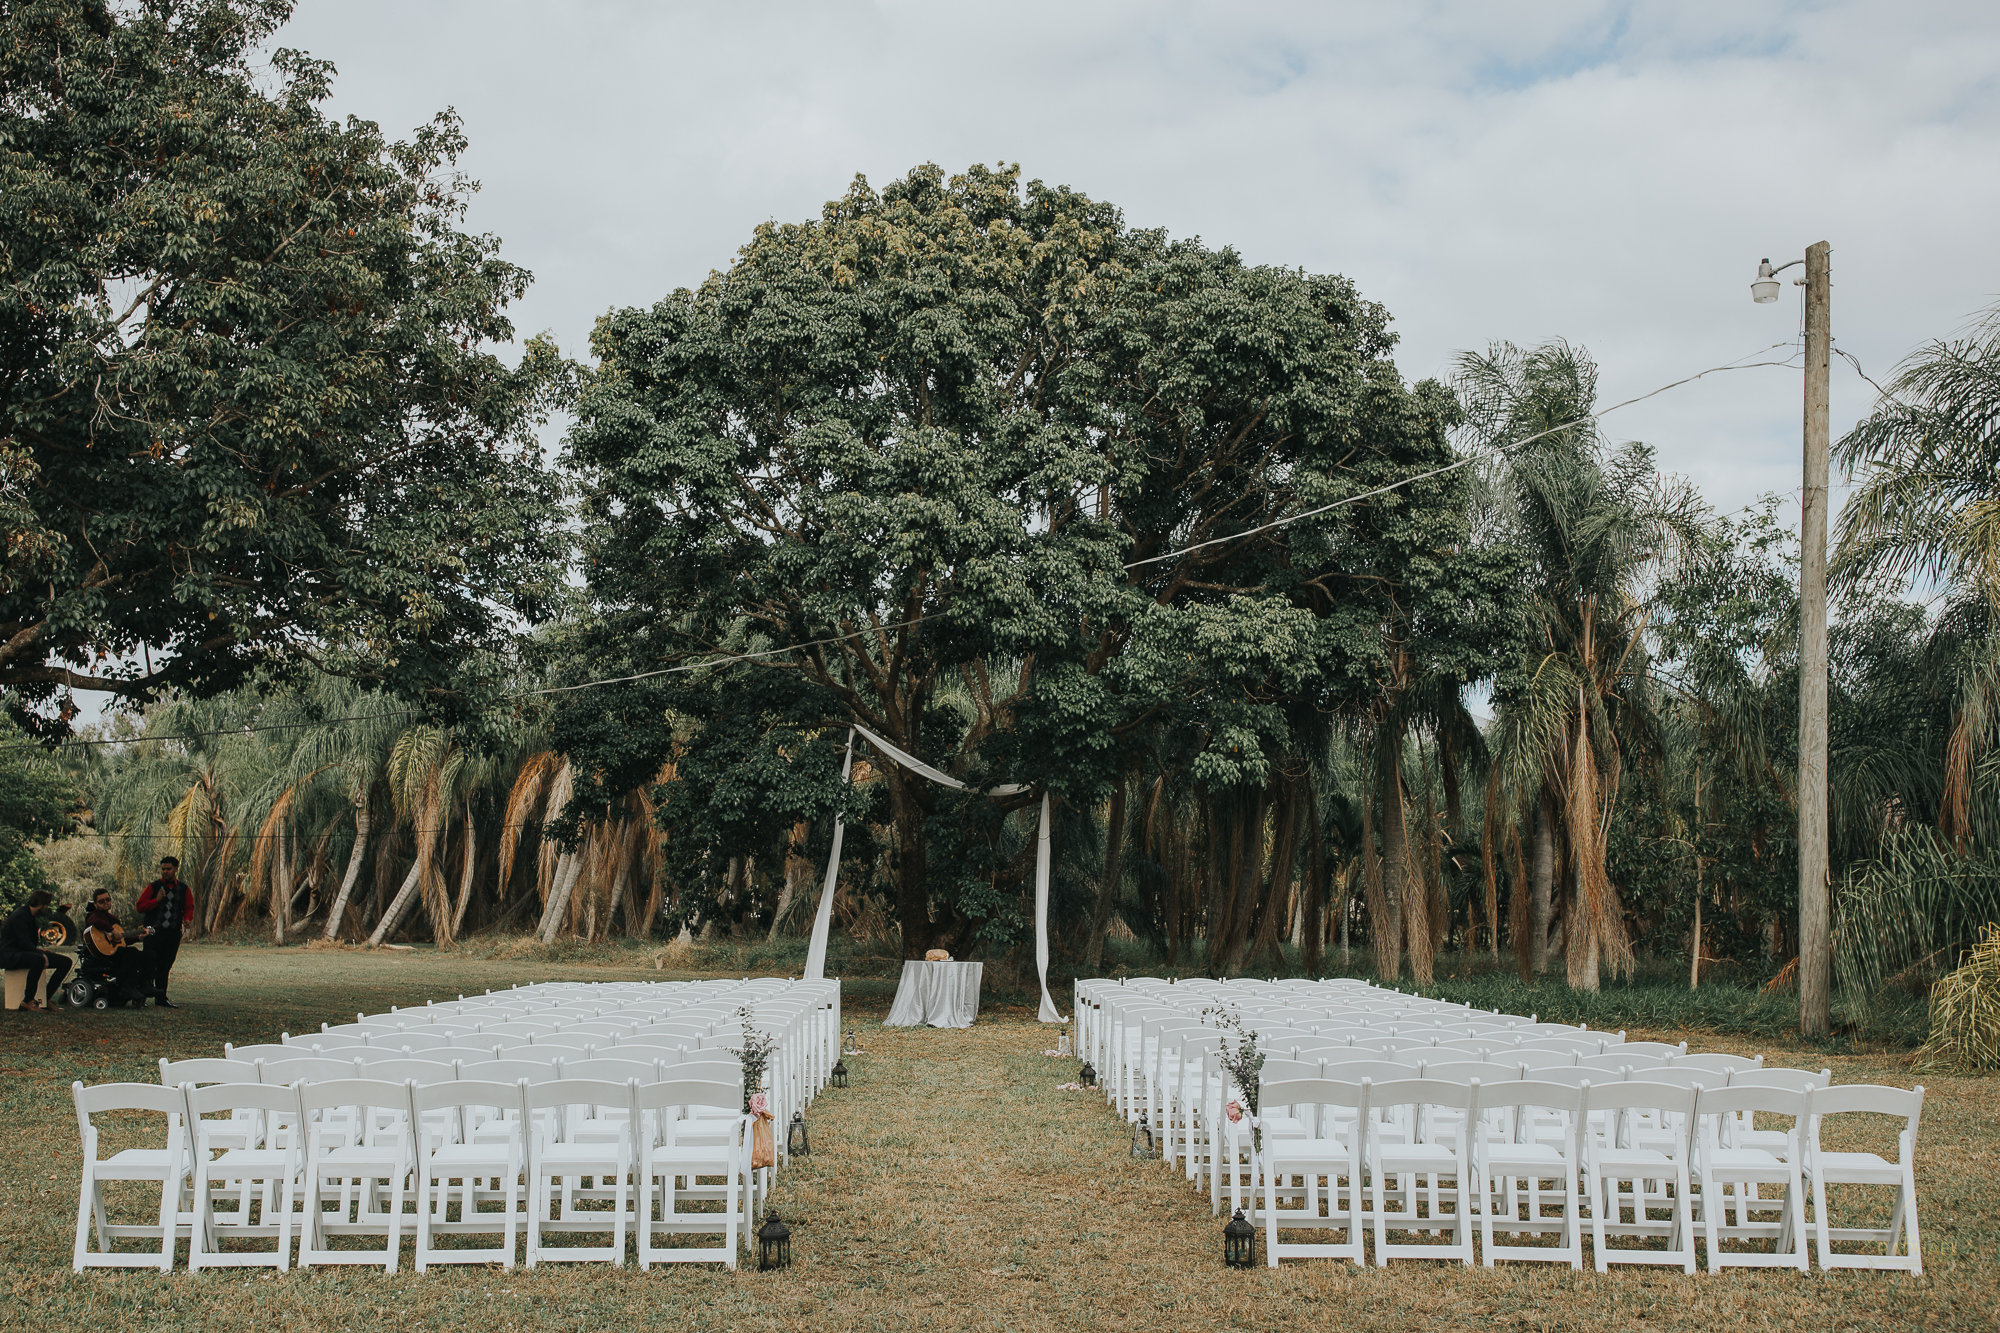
{"x": 1422, "y": 1092}
{"x": 362, "y": 1093}
{"x": 497, "y": 1095}
{"x": 1798, "y": 1080}
{"x": 312, "y": 1069}
{"x": 1642, "y": 1095}
{"x": 706, "y": 1067}
{"x": 1867, "y": 1099}
{"x": 1741, "y": 1100}
{"x": 1679, "y": 1077}
{"x": 1301, "y": 1092}
{"x": 505, "y": 1071}
{"x": 540, "y": 1055}
{"x": 1542, "y": 1093}
{"x": 1464, "y": 1071}
{"x": 208, "y": 1069}
{"x": 559, "y": 1093}
{"x": 1573, "y": 1076}
{"x": 1534, "y": 1061}
{"x": 1619, "y": 1058}
{"x": 1353, "y": 1071}
{"x": 410, "y": 1070}
{"x": 1647, "y": 1048}
{"x": 608, "y": 1069}
{"x": 1717, "y": 1062}
{"x": 652, "y": 1048}
{"x": 217, "y": 1097}
{"x": 706, "y": 1094}
{"x": 102, "y": 1097}
{"x": 1276, "y": 1070}
{"x": 264, "y": 1050}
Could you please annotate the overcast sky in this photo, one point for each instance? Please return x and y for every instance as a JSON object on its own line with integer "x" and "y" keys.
{"x": 1609, "y": 173}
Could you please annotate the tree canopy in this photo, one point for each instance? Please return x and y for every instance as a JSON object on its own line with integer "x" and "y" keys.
{"x": 250, "y": 410}
{"x": 976, "y": 465}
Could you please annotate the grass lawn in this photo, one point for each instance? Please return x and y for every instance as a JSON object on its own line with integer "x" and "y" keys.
{"x": 952, "y": 1186}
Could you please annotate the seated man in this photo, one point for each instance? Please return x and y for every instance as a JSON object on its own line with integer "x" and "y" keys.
{"x": 104, "y": 948}
{"x": 21, "y": 946}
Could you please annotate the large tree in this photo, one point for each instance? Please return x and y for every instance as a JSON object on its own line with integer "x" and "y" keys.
{"x": 250, "y": 410}
{"x": 975, "y": 465}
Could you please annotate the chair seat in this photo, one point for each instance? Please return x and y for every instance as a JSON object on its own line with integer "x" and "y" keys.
{"x": 1503, "y": 1156}
{"x": 1304, "y": 1151}
{"x": 138, "y": 1164}
{"x": 481, "y": 1153}
{"x": 1626, "y": 1161}
{"x": 1415, "y": 1157}
{"x": 249, "y": 1160}
{"x": 1856, "y": 1168}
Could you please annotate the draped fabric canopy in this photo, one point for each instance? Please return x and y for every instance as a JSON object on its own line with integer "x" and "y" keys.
{"x": 823, "y": 920}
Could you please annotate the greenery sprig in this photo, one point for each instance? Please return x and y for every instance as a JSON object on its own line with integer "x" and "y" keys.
{"x": 756, "y": 1054}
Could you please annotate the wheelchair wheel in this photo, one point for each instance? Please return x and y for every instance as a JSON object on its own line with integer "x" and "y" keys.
{"x": 100, "y": 1003}
{"x": 79, "y": 992}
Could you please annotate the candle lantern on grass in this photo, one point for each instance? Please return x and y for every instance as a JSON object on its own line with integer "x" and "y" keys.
{"x": 1239, "y": 1243}
{"x": 774, "y": 1243}
{"x": 839, "y": 1078}
{"x": 796, "y": 1141}
{"x": 1142, "y": 1140}
{"x": 851, "y": 1048}
{"x": 1087, "y": 1076}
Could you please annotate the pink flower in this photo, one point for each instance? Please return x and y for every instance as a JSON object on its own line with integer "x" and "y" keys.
{"x": 1234, "y": 1111}
{"x": 759, "y": 1103}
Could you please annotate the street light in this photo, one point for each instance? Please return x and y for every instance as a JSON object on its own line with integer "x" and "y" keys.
{"x": 1815, "y": 951}
{"x": 1764, "y": 289}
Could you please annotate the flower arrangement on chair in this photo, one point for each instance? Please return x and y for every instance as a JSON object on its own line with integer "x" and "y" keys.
{"x": 1245, "y": 1064}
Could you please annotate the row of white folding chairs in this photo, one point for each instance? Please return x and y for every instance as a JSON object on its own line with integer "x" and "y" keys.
{"x": 1364, "y": 1158}
{"x": 531, "y": 1149}
{"x": 1188, "y": 1097}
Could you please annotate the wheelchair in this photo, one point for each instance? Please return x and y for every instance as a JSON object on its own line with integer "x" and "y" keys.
{"x": 97, "y": 982}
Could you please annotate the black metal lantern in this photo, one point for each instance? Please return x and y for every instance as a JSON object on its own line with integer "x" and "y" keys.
{"x": 796, "y": 1141}
{"x": 1142, "y": 1140}
{"x": 774, "y": 1243}
{"x": 839, "y": 1079}
{"x": 1086, "y": 1077}
{"x": 1239, "y": 1243}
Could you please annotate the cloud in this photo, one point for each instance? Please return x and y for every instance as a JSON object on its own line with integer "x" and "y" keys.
{"x": 1605, "y": 172}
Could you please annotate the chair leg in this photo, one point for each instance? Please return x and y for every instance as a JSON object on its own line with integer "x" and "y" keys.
{"x": 170, "y": 1197}
{"x": 86, "y": 1192}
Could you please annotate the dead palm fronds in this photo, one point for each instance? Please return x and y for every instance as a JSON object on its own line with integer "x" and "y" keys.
{"x": 1965, "y": 1012}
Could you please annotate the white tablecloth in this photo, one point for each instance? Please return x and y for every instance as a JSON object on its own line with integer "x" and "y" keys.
{"x": 944, "y": 995}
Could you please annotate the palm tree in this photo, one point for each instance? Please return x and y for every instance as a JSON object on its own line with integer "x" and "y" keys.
{"x": 356, "y": 755}
{"x": 1595, "y": 525}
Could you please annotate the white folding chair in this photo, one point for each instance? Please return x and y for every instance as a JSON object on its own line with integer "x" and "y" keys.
{"x": 1518, "y": 1166}
{"x": 552, "y": 1157}
{"x": 166, "y": 1166}
{"x": 1721, "y": 1167}
{"x": 661, "y": 1111}
{"x": 354, "y": 1170}
{"x": 264, "y": 1171}
{"x": 1408, "y": 1167}
{"x": 1292, "y": 1168}
{"x": 471, "y": 1132}
{"x": 1866, "y": 1168}
{"x": 1619, "y": 1157}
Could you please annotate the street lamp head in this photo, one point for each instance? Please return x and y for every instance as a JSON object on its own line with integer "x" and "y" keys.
{"x": 1765, "y": 289}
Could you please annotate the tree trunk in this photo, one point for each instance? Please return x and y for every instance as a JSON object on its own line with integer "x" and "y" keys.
{"x": 1543, "y": 889}
{"x": 1278, "y": 896}
{"x": 1395, "y": 859}
{"x": 397, "y": 906}
{"x": 1107, "y": 889}
{"x": 465, "y": 875}
{"x": 1388, "y": 945}
{"x": 568, "y": 868}
{"x": 913, "y": 908}
{"x": 1312, "y": 910}
{"x": 281, "y": 874}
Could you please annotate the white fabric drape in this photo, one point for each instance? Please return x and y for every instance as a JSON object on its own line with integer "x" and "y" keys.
{"x": 822, "y": 923}
{"x": 823, "y": 919}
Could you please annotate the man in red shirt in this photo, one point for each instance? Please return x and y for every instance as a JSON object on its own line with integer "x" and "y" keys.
{"x": 166, "y": 905}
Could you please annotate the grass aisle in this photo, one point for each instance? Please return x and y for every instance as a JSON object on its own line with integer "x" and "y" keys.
{"x": 951, "y": 1187}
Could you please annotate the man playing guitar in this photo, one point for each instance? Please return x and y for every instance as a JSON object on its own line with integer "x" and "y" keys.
{"x": 104, "y": 941}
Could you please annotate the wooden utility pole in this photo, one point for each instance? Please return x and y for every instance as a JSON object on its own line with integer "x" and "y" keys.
{"x": 1815, "y": 951}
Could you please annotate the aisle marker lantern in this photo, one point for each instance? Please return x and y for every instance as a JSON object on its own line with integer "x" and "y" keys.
{"x": 1239, "y": 1243}
{"x": 839, "y": 1078}
{"x": 796, "y": 1142}
{"x": 774, "y": 1243}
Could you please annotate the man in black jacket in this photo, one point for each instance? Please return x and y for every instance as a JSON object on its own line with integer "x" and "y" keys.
{"x": 21, "y": 946}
